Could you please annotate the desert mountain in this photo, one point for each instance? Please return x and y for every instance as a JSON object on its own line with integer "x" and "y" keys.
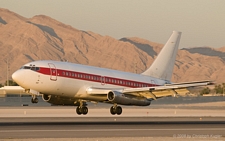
{"x": 208, "y": 51}
{"x": 23, "y": 40}
{"x": 222, "y": 49}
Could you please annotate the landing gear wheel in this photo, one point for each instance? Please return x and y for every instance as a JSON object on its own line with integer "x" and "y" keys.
{"x": 116, "y": 110}
{"x": 84, "y": 110}
{"x": 79, "y": 110}
{"x": 34, "y": 100}
{"x": 112, "y": 110}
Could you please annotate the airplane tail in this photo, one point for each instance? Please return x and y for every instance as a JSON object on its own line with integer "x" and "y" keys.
{"x": 163, "y": 65}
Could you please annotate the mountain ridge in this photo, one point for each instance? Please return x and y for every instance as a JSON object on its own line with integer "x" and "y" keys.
{"x": 23, "y": 40}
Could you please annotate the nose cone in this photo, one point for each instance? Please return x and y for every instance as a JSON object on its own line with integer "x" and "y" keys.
{"x": 15, "y": 76}
{"x": 18, "y": 77}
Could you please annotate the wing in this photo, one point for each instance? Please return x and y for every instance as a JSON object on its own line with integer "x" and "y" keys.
{"x": 166, "y": 90}
{"x": 151, "y": 92}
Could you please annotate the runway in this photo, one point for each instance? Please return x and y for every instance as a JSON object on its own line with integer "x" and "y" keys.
{"x": 163, "y": 122}
{"x": 89, "y": 127}
{"x": 65, "y": 111}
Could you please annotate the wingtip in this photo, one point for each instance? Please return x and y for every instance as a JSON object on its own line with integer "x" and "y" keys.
{"x": 211, "y": 83}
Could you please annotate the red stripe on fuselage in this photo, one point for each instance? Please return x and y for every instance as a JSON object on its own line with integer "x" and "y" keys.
{"x": 95, "y": 78}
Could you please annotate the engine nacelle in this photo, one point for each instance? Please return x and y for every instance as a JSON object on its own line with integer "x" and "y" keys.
{"x": 59, "y": 100}
{"x": 123, "y": 99}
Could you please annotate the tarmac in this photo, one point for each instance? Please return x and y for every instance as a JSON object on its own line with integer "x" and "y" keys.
{"x": 185, "y": 121}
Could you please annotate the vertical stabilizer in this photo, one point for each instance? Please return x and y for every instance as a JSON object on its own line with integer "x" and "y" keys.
{"x": 163, "y": 65}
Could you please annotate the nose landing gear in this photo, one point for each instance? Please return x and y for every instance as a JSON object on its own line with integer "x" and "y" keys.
{"x": 34, "y": 99}
{"x": 34, "y": 95}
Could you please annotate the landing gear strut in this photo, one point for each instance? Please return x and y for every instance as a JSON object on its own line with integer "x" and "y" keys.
{"x": 82, "y": 109}
{"x": 116, "y": 110}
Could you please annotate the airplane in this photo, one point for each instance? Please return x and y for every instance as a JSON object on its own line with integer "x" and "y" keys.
{"x": 65, "y": 83}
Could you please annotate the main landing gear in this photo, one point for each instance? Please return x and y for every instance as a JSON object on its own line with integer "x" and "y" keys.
{"x": 116, "y": 110}
{"x": 82, "y": 109}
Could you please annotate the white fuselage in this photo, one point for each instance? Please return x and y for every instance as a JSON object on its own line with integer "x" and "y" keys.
{"x": 73, "y": 80}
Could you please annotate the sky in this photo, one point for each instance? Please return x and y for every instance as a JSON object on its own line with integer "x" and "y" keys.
{"x": 202, "y": 22}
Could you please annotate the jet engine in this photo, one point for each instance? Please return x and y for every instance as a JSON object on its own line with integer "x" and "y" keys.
{"x": 58, "y": 100}
{"x": 125, "y": 99}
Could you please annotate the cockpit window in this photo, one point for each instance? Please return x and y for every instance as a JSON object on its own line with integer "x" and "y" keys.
{"x": 30, "y": 68}
{"x": 25, "y": 67}
{"x": 35, "y": 68}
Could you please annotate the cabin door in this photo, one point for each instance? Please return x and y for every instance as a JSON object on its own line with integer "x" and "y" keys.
{"x": 103, "y": 80}
{"x": 53, "y": 72}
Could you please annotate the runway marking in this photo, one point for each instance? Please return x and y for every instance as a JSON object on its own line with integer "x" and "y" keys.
{"x": 109, "y": 130}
